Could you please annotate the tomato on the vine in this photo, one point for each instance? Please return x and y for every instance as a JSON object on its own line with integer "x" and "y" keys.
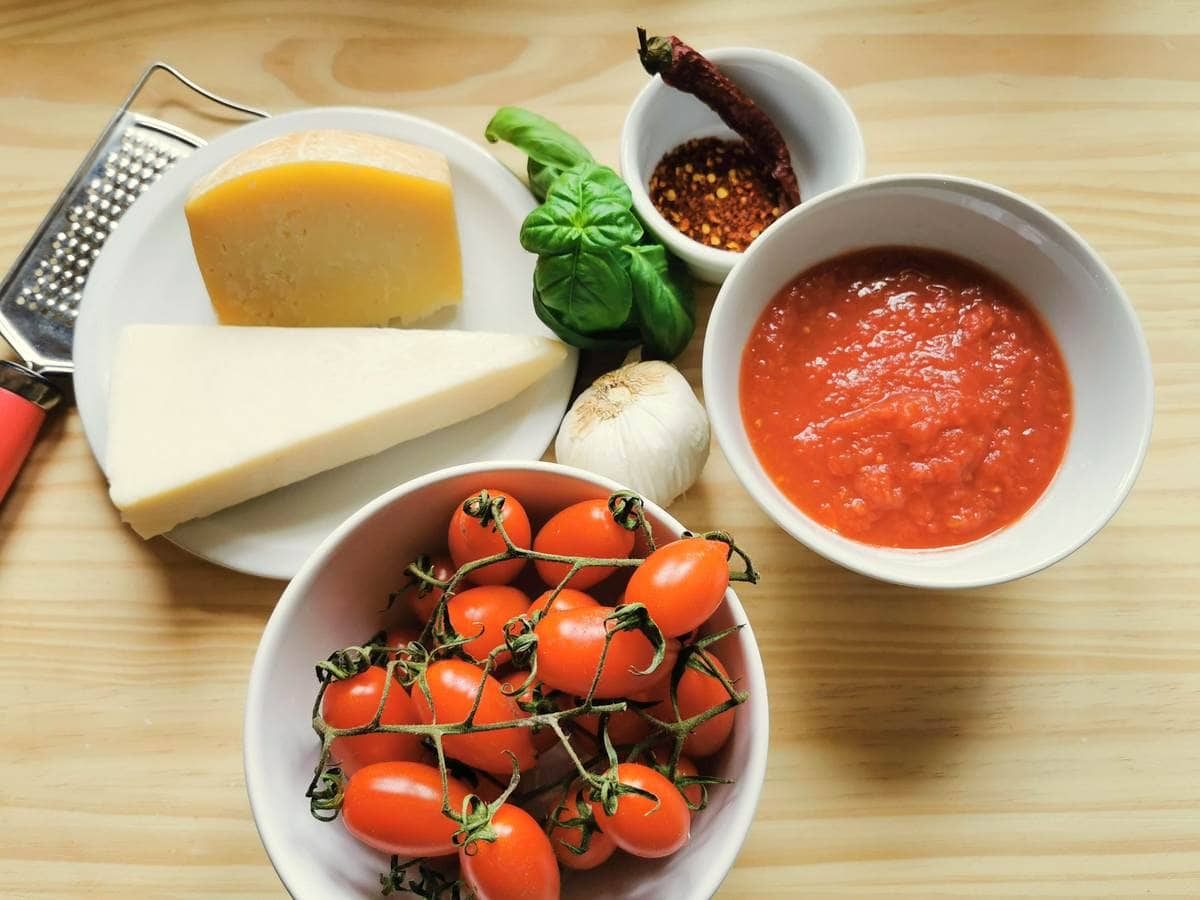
{"x": 396, "y": 807}
{"x": 563, "y": 837}
{"x": 481, "y": 613}
{"x": 351, "y": 702}
{"x": 471, "y": 539}
{"x": 583, "y": 529}
{"x": 518, "y": 865}
{"x": 437, "y": 795}
{"x": 642, "y": 826}
{"x": 454, "y": 684}
{"x": 682, "y": 583}
{"x": 424, "y": 603}
{"x": 568, "y": 598}
{"x": 696, "y": 692}
{"x": 571, "y": 643}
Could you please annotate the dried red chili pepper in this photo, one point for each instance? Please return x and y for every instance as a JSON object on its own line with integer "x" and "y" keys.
{"x": 685, "y": 69}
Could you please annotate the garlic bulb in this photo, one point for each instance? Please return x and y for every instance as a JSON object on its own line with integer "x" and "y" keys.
{"x": 640, "y": 425}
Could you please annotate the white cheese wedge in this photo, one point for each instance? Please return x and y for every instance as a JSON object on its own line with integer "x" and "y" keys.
{"x": 202, "y": 417}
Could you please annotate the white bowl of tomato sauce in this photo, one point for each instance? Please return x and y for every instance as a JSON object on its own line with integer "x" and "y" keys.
{"x": 929, "y": 380}
{"x": 338, "y": 599}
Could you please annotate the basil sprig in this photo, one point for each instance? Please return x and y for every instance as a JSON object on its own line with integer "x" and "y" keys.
{"x": 602, "y": 280}
{"x": 549, "y": 148}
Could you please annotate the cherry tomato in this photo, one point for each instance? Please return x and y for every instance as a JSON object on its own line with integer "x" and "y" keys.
{"x": 543, "y": 738}
{"x": 568, "y": 598}
{"x": 396, "y": 807}
{"x": 584, "y": 529}
{"x": 641, "y": 826}
{"x": 518, "y": 865}
{"x": 681, "y": 583}
{"x": 453, "y": 684}
{"x": 623, "y": 727}
{"x": 470, "y": 539}
{"x": 423, "y": 605}
{"x": 698, "y": 691}
{"x": 569, "y": 647}
{"x": 399, "y": 638}
{"x": 402, "y": 636}
{"x": 684, "y": 768}
{"x": 484, "y": 611}
{"x": 562, "y": 837}
{"x": 352, "y": 702}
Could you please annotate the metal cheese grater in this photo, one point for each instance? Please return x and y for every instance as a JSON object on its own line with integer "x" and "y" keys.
{"x": 39, "y": 298}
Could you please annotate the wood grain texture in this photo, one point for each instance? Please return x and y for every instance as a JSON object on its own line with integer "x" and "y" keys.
{"x": 1035, "y": 739}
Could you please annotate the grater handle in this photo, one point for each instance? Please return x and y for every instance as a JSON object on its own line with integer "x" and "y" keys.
{"x": 25, "y": 398}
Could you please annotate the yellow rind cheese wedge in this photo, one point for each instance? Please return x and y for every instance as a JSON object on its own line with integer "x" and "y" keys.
{"x": 202, "y": 417}
{"x": 327, "y": 228}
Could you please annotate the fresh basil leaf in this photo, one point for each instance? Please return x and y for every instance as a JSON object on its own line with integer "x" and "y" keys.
{"x": 662, "y": 300}
{"x": 621, "y": 339}
{"x": 541, "y": 176}
{"x": 654, "y": 255}
{"x": 589, "y": 289}
{"x": 581, "y": 210}
{"x": 556, "y": 227}
{"x": 536, "y": 137}
{"x": 548, "y": 230}
{"x": 609, "y": 184}
{"x": 610, "y": 225}
{"x": 589, "y": 183}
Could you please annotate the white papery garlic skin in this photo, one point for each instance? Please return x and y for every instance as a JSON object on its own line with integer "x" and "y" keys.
{"x": 640, "y": 425}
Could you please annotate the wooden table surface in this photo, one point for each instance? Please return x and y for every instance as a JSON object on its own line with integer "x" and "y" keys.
{"x": 1038, "y": 738}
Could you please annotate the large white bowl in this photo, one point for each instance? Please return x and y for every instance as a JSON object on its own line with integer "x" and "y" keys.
{"x": 815, "y": 120}
{"x": 1061, "y": 276}
{"x": 335, "y": 600}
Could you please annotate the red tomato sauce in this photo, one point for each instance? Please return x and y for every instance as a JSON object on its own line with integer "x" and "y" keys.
{"x": 905, "y": 398}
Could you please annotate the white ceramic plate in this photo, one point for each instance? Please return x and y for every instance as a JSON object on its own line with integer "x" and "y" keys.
{"x": 147, "y": 273}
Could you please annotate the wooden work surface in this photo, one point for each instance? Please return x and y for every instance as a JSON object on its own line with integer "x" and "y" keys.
{"x": 1039, "y": 738}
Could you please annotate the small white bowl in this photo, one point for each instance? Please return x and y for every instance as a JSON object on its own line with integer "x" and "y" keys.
{"x": 821, "y": 131}
{"x": 335, "y": 601}
{"x": 1056, "y": 271}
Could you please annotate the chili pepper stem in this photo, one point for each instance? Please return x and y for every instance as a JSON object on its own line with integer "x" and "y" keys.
{"x": 654, "y": 52}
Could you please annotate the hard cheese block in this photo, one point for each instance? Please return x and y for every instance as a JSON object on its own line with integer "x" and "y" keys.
{"x": 327, "y": 228}
{"x": 205, "y": 416}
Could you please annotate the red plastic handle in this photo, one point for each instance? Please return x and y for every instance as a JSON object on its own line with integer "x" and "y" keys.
{"x": 20, "y": 420}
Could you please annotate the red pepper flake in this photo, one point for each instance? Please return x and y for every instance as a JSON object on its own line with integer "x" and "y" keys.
{"x": 715, "y": 192}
